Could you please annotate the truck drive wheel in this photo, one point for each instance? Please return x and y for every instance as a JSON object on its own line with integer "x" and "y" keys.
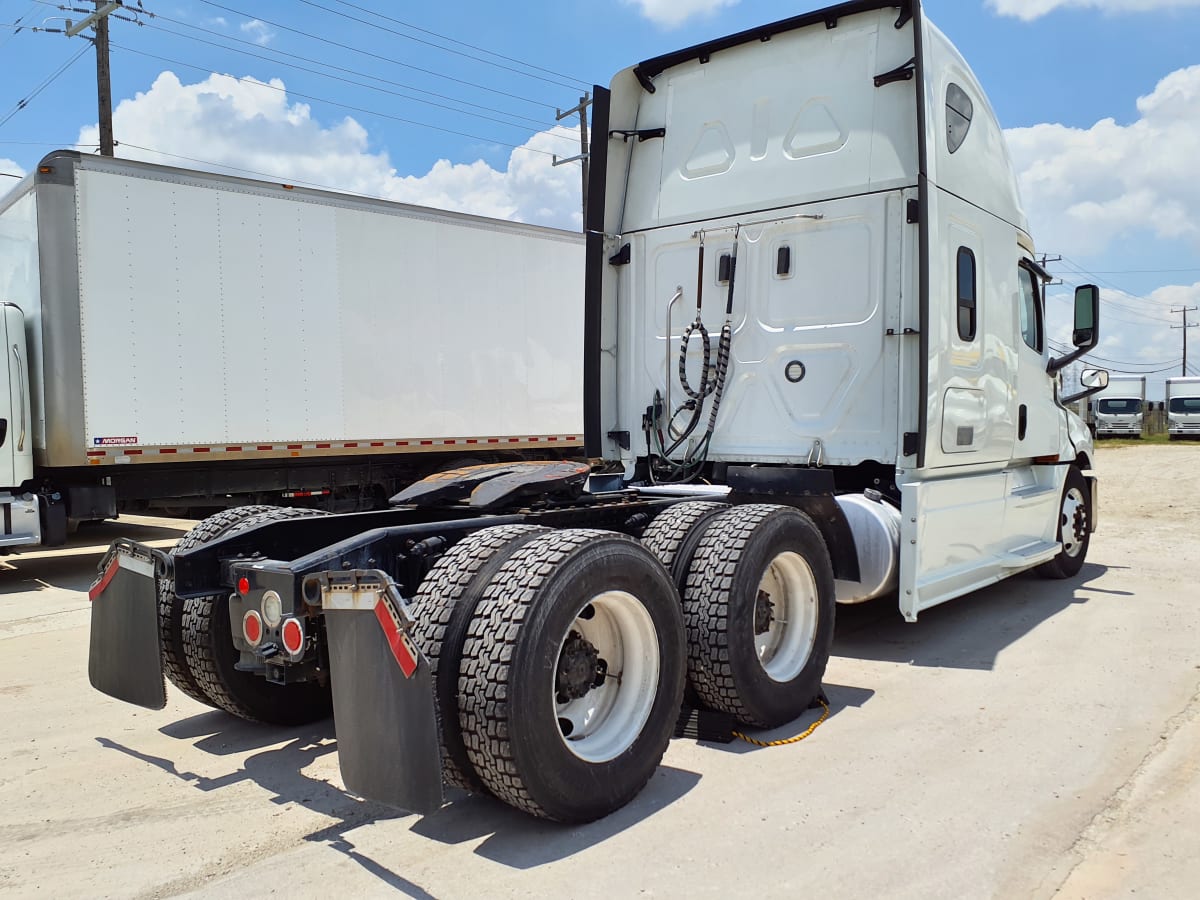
{"x": 442, "y": 609}
{"x": 675, "y": 533}
{"x": 759, "y": 610}
{"x": 170, "y": 607}
{"x": 212, "y": 657}
{"x": 1074, "y": 527}
{"x": 572, "y": 675}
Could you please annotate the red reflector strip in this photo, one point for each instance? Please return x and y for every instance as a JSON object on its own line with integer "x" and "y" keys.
{"x": 323, "y": 446}
{"x": 376, "y": 443}
{"x": 133, "y": 452}
{"x": 472, "y": 440}
{"x": 200, "y": 449}
{"x": 350, "y": 445}
{"x": 233, "y": 449}
{"x": 398, "y": 643}
{"x": 426, "y": 443}
{"x": 295, "y": 446}
{"x": 97, "y": 453}
{"x": 98, "y": 588}
{"x": 264, "y": 447}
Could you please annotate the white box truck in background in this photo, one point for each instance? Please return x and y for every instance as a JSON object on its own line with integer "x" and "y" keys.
{"x": 1183, "y": 408}
{"x": 1120, "y": 407}
{"x": 815, "y": 361}
{"x": 181, "y": 339}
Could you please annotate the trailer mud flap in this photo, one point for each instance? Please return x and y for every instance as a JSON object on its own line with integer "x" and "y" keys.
{"x": 124, "y": 659}
{"x": 383, "y": 706}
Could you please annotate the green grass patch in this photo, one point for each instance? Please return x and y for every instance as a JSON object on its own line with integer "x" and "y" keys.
{"x": 1149, "y": 439}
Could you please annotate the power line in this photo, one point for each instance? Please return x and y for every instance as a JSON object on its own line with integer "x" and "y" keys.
{"x": 45, "y": 83}
{"x": 409, "y": 37}
{"x": 444, "y": 37}
{"x": 540, "y": 124}
{"x": 386, "y": 59}
{"x": 1185, "y": 326}
{"x": 16, "y": 26}
{"x": 358, "y": 109}
{"x": 1142, "y": 271}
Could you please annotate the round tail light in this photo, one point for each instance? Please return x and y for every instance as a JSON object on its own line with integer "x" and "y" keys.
{"x": 252, "y": 628}
{"x": 292, "y": 635}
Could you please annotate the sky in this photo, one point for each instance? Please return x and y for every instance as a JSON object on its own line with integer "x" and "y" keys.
{"x": 454, "y": 105}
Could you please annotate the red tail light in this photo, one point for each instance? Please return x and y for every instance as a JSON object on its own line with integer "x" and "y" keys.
{"x": 252, "y": 628}
{"x": 292, "y": 634}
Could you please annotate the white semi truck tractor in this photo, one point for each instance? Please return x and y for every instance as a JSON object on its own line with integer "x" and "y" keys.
{"x": 180, "y": 340}
{"x": 815, "y": 369}
{"x": 1120, "y": 407}
{"x": 1183, "y": 408}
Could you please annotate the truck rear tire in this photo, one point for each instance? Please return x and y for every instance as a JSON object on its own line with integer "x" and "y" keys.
{"x": 675, "y": 533}
{"x": 572, "y": 675}
{"x": 442, "y": 609}
{"x": 1074, "y": 527}
{"x": 170, "y": 607}
{"x": 759, "y": 612}
{"x": 212, "y": 657}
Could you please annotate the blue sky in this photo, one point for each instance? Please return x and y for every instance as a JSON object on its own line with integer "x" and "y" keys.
{"x": 1111, "y": 197}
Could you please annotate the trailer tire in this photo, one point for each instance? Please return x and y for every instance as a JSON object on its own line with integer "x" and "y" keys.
{"x": 1074, "y": 527}
{"x": 532, "y": 674}
{"x": 212, "y": 656}
{"x": 675, "y": 534}
{"x": 170, "y": 607}
{"x": 442, "y": 609}
{"x": 743, "y": 657}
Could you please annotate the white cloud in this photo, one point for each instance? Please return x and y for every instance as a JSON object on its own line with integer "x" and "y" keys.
{"x": 673, "y": 13}
{"x": 247, "y": 125}
{"x": 258, "y": 32}
{"x": 8, "y": 167}
{"x": 1083, "y": 188}
{"x": 1028, "y": 10}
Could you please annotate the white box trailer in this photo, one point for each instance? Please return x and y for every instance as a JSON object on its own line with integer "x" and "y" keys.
{"x": 1183, "y": 408}
{"x": 1120, "y": 407}
{"x": 815, "y": 361}
{"x": 195, "y": 340}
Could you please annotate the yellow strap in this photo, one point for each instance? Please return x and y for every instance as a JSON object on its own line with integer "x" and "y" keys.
{"x": 811, "y": 728}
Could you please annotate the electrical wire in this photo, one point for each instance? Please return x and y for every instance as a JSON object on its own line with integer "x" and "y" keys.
{"x": 16, "y": 26}
{"x": 45, "y": 83}
{"x": 340, "y": 105}
{"x": 539, "y": 123}
{"x": 386, "y": 59}
{"x": 409, "y": 37}
{"x": 444, "y": 37}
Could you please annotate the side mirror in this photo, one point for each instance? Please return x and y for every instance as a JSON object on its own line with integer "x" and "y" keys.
{"x": 1087, "y": 326}
{"x": 1087, "y": 314}
{"x": 1092, "y": 381}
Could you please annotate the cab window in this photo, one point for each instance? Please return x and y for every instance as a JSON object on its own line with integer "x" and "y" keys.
{"x": 1031, "y": 310}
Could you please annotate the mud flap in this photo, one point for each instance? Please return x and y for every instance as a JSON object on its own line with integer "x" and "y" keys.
{"x": 383, "y": 706}
{"x": 124, "y": 659}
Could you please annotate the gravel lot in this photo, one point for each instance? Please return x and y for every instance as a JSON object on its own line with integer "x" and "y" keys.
{"x": 1034, "y": 739}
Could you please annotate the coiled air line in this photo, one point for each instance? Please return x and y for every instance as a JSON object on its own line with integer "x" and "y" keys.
{"x": 712, "y": 383}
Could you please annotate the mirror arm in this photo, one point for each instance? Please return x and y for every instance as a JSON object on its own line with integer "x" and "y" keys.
{"x": 1079, "y": 395}
{"x": 1062, "y": 361}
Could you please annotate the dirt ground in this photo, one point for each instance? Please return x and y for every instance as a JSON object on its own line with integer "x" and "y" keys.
{"x": 1035, "y": 739}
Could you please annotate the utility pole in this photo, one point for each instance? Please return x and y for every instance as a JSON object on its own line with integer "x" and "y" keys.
{"x": 99, "y": 20}
{"x": 584, "y": 151}
{"x": 1185, "y": 326}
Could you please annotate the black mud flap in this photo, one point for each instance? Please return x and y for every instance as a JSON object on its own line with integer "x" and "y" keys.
{"x": 383, "y": 707}
{"x": 124, "y": 660}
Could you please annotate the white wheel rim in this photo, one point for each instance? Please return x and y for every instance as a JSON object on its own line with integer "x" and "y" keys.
{"x": 1073, "y": 524}
{"x": 786, "y": 644}
{"x": 604, "y": 722}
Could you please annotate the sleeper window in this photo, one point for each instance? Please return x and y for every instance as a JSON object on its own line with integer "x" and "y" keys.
{"x": 959, "y": 110}
{"x": 967, "y": 312}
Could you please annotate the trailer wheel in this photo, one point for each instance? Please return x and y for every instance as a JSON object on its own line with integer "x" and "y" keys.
{"x": 442, "y": 609}
{"x": 759, "y": 610}
{"x": 675, "y": 533}
{"x": 212, "y": 657}
{"x": 572, "y": 675}
{"x": 170, "y": 607}
{"x": 1074, "y": 528}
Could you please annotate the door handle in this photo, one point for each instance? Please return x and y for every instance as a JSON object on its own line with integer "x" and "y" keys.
{"x": 21, "y": 386}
